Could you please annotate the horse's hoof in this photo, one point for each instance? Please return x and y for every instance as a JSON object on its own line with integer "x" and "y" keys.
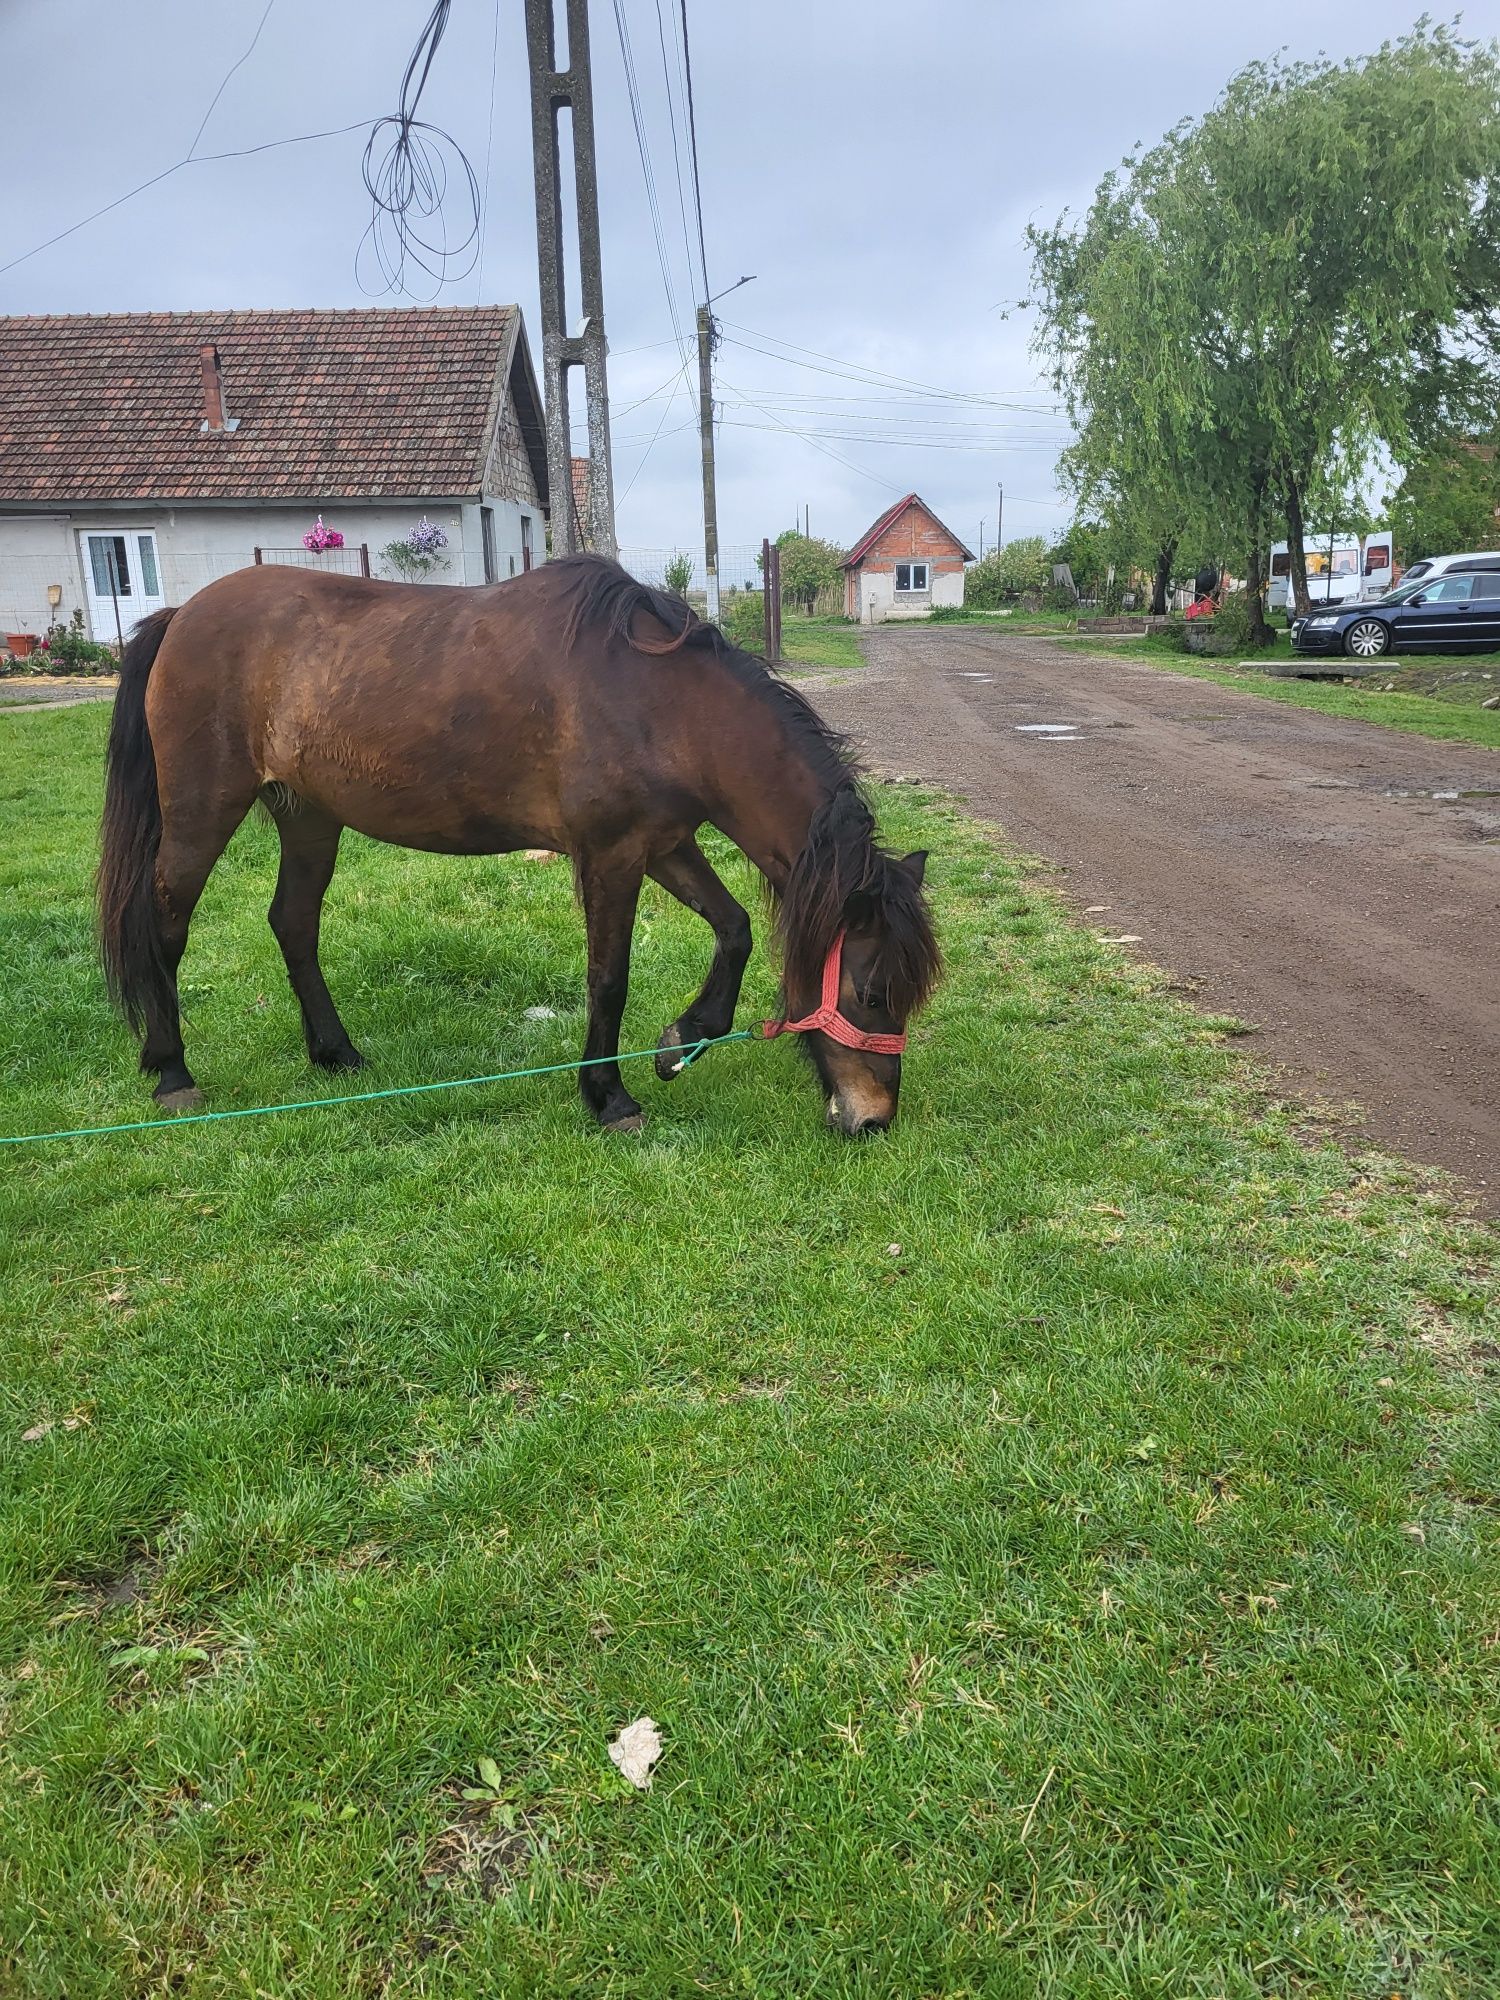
{"x": 190, "y": 1099}
{"x": 636, "y": 1122}
{"x": 348, "y": 1057}
{"x": 669, "y": 1053}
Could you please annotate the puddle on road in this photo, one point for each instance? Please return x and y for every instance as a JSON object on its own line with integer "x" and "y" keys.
{"x": 986, "y": 678}
{"x": 1059, "y": 732}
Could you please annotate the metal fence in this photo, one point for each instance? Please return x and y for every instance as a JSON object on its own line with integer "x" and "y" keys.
{"x": 29, "y": 583}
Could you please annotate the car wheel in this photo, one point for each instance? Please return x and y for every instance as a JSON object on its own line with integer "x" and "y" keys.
{"x": 1368, "y": 639}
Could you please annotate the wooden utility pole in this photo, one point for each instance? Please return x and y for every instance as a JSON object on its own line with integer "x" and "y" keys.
{"x": 552, "y": 90}
{"x": 706, "y": 438}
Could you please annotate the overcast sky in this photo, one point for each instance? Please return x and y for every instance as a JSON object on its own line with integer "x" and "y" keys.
{"x": 872, "y": 164}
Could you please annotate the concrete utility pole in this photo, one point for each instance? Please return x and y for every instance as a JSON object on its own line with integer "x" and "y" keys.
{"x": 1000, "y": 518}
{"x": 551, "y": 90}
{"x": 706, "y": 438}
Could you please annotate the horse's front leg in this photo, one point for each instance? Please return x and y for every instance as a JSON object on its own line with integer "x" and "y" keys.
{"x": 611, "y": 890}
{"x": 690, "y": 879}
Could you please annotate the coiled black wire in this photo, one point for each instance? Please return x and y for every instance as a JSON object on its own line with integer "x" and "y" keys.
{"x": 408, "y": 166}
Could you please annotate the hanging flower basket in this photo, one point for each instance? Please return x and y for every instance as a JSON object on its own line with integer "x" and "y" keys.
{"x": 318, "y": 538}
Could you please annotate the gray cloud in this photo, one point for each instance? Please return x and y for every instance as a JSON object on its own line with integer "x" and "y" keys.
{"x": 874, "y": 165}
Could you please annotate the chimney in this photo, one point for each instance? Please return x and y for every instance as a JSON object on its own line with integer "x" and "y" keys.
{"x": 215, "y": 415}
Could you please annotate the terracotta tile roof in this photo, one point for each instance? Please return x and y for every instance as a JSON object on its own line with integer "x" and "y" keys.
{"x": 397, "y": 402}
{"x": 891, "y": 514}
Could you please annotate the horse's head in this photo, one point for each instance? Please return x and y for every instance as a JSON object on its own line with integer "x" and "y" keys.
{"x": 844, "y": 887}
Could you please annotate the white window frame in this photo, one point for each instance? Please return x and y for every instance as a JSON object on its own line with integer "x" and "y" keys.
{"x": 913, "y": 588}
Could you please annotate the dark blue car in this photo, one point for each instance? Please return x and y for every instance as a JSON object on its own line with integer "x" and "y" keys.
{"x": 1455, "y": 612}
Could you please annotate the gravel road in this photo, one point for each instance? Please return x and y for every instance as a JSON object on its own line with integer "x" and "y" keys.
{"x": 1336, "y": 883}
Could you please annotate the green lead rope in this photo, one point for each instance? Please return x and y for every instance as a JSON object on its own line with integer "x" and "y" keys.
{"x": 689, "y": 1056}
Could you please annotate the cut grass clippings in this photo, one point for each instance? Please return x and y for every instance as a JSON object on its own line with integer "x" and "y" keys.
{"x": 1436, "y": 697}
{"x": 1056, "y": 1543}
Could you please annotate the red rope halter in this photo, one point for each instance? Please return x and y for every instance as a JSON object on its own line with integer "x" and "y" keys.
{"x": 827, "y": 1020}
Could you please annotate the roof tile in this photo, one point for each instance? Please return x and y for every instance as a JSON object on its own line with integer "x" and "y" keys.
{"x": 331, "y": 405}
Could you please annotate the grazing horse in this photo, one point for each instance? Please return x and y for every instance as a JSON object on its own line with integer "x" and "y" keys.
{"x": 571, "y": 708}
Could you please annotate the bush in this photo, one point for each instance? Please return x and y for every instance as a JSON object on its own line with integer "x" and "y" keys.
{"x": 1058, "y": 597}
{"x": 742, "y": 618}
{"x": 67, "y": 649}
{"x": 809, "y": 567}
{"x": 678, "y": 574}
{"x": 1232, "y": 619}
{"x": 414, "y": 556}
{"x": 1008, "y": 573}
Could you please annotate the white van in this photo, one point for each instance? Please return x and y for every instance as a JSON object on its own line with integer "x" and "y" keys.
{"x": 1339, "y": 569}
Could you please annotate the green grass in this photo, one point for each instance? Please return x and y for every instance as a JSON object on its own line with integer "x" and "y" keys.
{"x": 820, "y": 642}
{"x": 1057, "y": 1541}
{"x": 1439, "y": 696}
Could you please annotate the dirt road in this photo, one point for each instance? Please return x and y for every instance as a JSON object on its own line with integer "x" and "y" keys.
{"x": 1334, "y": 882}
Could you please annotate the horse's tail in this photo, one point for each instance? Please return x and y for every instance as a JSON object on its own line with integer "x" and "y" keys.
{"x": 129, "y": 923}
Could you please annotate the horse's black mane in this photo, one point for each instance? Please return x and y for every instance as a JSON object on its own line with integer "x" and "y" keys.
{"x": 842, "y": 862}
{"x": 606, "y": 598}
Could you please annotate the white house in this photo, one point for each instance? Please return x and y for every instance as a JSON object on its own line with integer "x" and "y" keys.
{"x": 903, "y": 564}
{"x": 144, "y": 454}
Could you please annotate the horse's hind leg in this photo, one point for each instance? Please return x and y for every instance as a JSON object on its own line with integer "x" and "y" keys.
{"x": 309, "y": 849}
{"x": 690, "y": 879}
{"x": 191, "y": 842}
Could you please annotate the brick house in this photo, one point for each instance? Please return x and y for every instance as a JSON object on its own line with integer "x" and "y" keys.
{"x": 904, "y": 565}
{"x": 144, "y": 454}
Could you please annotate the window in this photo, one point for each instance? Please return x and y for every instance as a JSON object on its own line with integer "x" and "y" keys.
{"x": 1281, "y": 563}
{"x": 1377, "y": 556}
{"x": 1447, "y": 590}
{"x": 911, "y": 576}
{"x": 487, "y": 537}
{"x": 150, "y": 582}
{"x": 1487, "y": 586}
{"x": 106, "y": 556}
{"x": 526, "y": 541}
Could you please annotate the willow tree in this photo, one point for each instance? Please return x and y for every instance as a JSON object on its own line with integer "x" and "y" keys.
{"x": 1256, "y": 307}
{"x": 1107, "y": 316}
{"x": 1348, "y": 219}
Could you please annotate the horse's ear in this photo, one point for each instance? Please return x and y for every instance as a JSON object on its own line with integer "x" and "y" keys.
{"x": 915, "y": 865}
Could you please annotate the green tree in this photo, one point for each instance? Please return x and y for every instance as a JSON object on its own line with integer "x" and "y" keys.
{"x": 1005, "y": 574}
{"x": 1449, "y": 500}
{"x": 1258, "y": 304}
{"x": 808, "y": 565}
{"x": 678, "y": 573}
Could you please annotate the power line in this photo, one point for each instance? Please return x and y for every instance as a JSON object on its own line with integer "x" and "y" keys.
{"x": 692, "y": 420}
{"x": 409, "y": 185}
{"x": 905, "y": 443}
{"x": 198, "y": 160}
{"x": 632, "y": 89}
{"x": 687, "y": 72}
{"x": 792, "y": 431}
{"x": 666, "y": 77}
{"x": 858, "y": 372}
{"x": 228, "y": 74}
{"x": 489, "y": 146}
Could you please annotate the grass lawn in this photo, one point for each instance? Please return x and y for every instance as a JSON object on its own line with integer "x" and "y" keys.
{"x": 819, "y": 642}
{"x": 1437, "y": 695}
{"x": 1057, "y": 1542}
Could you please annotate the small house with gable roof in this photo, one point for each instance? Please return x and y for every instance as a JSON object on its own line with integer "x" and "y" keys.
{"x": 903, "y": 565}
{"x": 144, "y": 454}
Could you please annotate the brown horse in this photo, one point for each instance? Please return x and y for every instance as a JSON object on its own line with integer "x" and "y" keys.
{"x": 573, "y": 709}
